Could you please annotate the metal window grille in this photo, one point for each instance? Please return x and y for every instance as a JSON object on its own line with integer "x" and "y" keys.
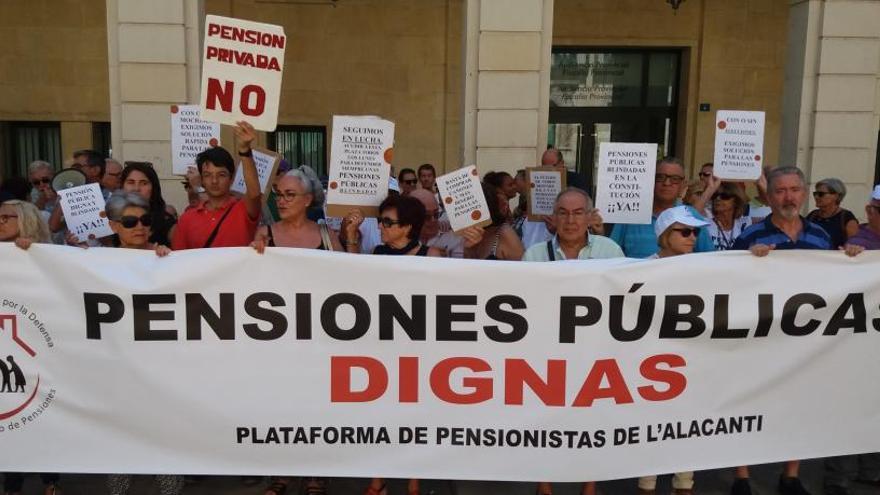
{"x": 302, "y": 145}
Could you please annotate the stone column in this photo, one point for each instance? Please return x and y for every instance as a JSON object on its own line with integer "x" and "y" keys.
{"x": 831, "y": 104}
{"x": 154, "y": 58}
{"x": 507, "y": 82}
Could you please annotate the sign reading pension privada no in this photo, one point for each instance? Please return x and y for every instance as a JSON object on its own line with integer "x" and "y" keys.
{"x": 241, "y": 72}
{"x": 360, "y": 164}
{"x": 190, "y": 135}
{"x": 463, "y": 198}
{"x": 739, "y": 144}
{"x": 625, "y": 187}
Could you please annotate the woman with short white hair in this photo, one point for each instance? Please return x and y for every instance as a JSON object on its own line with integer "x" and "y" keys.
{"x": 838, "y": 222}
{"x": 130, "y": 220}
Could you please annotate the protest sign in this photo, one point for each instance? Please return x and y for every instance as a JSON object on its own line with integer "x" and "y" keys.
{"x": 739, "y": 145}
{"x": 360, "y": 164}
{"x": 545, "y": 183}
{"x": 241, "y": 72}
{"x": 625, "y": 186}
{"x": 84, "y": 215}
{"x": 463, "y": 198}
{"x": 267, "y": 163}
{"x": 414, "y": 367}
{"x": 190, "y": 135}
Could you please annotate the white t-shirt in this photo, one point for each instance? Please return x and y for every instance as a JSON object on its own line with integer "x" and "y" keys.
{"x": 723, "y": 239}
{"x": 450, "y": 242}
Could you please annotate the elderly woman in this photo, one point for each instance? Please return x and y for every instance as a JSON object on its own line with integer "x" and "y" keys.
{"x": 677, "y": 230}
{"x": 296, "y": 192}
{"x": 839, "y": 223}
{"x": 22, "y": 223}
{"x": 130, "y": 219}
{"x": 140, "y": 178}
{"x": 498, "y": 241}
{"x": 400, "y": 225}
{"x": 729, "y": 216}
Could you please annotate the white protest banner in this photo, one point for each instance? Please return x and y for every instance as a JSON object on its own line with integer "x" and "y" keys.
{"x": 361, "y": 150}
{"x": 625, "y": 186}
{"x": 463, "y": 198}
{"x": 84, "y": 215}
{"x": 267, "y": 163}
{"x": 739, "y": 145}
{"x": 190, "y": 135}
{"x": 545, "y": 183}
{"x": 305, "y": 362}
{"x": 241, "y": 72}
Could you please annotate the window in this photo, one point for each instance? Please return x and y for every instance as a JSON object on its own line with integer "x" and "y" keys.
{"x": 101, "y": 137}
{"x": 24, "y": 142}
{"x": 301, "y": 145}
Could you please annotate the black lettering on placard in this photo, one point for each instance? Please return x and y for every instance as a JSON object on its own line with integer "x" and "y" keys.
{"x": 144, "y": 315}
{"x": 329, "y": 311}
{"x": 391, "y": 311}
{"x": 92, "y": 302}
{"x": 278, "y": 322}
{"x": 197, "y": 309}
{"x": 446, "y": 317}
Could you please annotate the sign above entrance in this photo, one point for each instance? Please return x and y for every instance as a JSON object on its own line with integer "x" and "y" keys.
{"x": 595, "y": 79}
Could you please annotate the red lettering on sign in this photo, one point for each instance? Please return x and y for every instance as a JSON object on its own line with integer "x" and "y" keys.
{"x": 259, "y": 105}
{"x": 340, "y": 379}
{"x": 217, "y": 93}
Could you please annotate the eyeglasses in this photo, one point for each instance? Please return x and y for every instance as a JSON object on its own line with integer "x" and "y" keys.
{"x": 5, "y": 218}
{"x": 576, "y": 214}
{"x": 722, "y": 196}
{"x": 432, "y": 215}
{"x": 44, "y": 180}
{"x": 705, "y": 174}
{"x": 129, "y": 222}
{"x": 673, "y": 179}
{"x": 687, "y": 232}
{"x": 821, "y": 194}
{"x": 388, "y": 222}
{"x": 410, "y": 182}
{"x": 287, "y": 195}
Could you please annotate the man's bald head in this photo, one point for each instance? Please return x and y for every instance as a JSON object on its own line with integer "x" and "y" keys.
{"x": 426, "y": 198}
{"x": 552, "y": 158}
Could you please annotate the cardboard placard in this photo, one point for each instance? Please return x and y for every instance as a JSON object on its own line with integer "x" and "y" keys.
{"x": 267, "y": 163}
{"x": 545, "y": 183}
{"x": 463, "y": 199}
{"x": 190, "y": 135}
{"x": 625, "y": 186}
{"x": 242, "y": 67}
{"x": 360, "y": 164}
{"x": 84, "y": 214}
{"x": 739, "y": 145}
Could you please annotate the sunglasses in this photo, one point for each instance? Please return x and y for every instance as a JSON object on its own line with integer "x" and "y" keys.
{"x": 44, "y": 180}
{"x": 673, "y": 179}
{"x": 129, "y": 222}
{"x": 821, "y": 194}
{"x": 410, "y": 182}
{"x": 433, "y": 215}
{"x": 722, "y": 196}
{"x": 687, "y": 232}
{"x": 705, "y": 174}
{"x": 388, "y": 222}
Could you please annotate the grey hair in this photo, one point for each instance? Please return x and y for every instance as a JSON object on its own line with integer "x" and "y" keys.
{"x": 119, "y": 201}
{"x": 834, "y": 185}
{"x": 778, "y": 172}
{"x": 574, "y": 190}
{"x": 38, "y": 164}
{"x": 310, "y": 181}
{"x": 671, "y": 160}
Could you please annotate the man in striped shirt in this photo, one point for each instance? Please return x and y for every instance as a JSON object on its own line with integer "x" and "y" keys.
{"x": 784, "y": 228}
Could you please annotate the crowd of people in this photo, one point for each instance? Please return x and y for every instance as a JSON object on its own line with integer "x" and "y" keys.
{"x": 703, "y": 215}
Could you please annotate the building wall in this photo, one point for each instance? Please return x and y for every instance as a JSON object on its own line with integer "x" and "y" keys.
{"x": 733, "y": 56}
{"x": 398, "y": 59}
{"x": 54, "y": 66}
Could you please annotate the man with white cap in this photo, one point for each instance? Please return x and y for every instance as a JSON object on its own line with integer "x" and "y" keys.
{"x": 868, "y": 235}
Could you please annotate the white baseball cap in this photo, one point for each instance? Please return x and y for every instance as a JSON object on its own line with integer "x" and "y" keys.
{"x": 678, "y": 214}
{"x": 876, "y": 194}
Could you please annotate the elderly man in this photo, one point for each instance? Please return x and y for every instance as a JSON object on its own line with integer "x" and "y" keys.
{"x": 639, "y": 240}
{"x": 572, "y": 215}
{"x": 553, "y": 158}
{"x": 42, "y": 194}
{"x": 784, "y": 228}
{"x": 431, "y": 233}
{"x": 112, "y": 175}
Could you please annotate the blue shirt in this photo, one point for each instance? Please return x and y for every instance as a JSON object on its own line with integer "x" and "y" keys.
{"x": 639, "y": 240}
{"x": 811, "y": 236}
